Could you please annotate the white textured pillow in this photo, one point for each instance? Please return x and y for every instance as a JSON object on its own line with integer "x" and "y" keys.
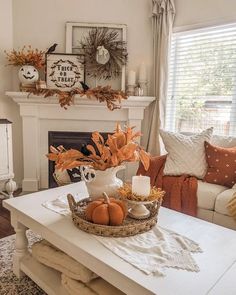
{"x": 186, "y": 154}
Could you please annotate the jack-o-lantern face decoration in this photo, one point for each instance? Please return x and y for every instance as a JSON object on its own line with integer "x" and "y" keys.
{"x": 28, "y": 74}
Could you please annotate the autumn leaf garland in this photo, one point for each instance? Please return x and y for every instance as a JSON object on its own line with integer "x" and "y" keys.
{"x": 103, "y": 94}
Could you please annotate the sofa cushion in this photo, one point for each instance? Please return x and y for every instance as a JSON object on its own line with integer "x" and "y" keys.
{"x": 222, "y": 200}
{"x": 221, "y": 165}
{"x": 223, "y": 141}
{"x": 207, "y": 194}
{"x": 186, "y": 154}
{"x": 224, "y": 220}
{"x": 219, "y": 140}
{"x": 205, "y": 214}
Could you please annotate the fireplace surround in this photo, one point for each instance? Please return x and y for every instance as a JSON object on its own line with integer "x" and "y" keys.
{"x": 41, "y": 115}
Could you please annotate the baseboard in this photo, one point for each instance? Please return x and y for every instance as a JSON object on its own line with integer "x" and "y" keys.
{"x": 30, "y": 185}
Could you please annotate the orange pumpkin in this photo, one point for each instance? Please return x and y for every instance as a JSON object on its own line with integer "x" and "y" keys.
{"x": 106, "y": 211}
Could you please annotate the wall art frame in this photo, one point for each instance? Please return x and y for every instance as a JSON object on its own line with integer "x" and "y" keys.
{"x": 64, "y": 71}
{"x": 75, "y": 29}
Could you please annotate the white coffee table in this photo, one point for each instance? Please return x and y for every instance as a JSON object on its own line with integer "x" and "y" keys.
{"x": 217, "y": 263}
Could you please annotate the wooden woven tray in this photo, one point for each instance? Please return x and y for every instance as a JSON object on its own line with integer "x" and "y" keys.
{"x": 130, "y": 226}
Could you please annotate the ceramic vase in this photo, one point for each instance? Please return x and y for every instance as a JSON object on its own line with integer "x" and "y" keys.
{"x": 105, "y": 181}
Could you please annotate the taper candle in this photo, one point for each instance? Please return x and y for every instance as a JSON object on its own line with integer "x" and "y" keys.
{"x": 131, "y": 78}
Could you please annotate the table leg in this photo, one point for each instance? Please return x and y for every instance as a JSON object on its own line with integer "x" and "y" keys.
{"x": 21, "y": 247}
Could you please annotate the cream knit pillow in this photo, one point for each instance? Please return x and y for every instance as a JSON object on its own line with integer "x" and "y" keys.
{"x": 186, "y": 154}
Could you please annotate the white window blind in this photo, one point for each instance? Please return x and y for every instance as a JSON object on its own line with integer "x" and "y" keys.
{"x": 202, "y": 81}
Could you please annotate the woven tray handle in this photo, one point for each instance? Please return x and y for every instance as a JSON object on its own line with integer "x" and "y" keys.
{"x": 72, "y": 203}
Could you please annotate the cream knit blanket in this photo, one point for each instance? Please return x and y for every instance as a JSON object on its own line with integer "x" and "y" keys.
{"x": 49, "y": 255}
{"x": 95, "y": 287}
{"x": 76, "y": 278}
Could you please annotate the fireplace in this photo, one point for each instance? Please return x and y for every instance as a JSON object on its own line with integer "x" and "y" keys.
{"x": 74, "y": 140}
{"x": 42, "y": 115}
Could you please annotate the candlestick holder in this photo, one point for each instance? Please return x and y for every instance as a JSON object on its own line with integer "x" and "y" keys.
{"x": 138, "y": 210}
{"x": 137, "y": 203}
{"x": 138, "y": 91}
{"x": 130, "y": 89}
{"x": 143, "y": 87}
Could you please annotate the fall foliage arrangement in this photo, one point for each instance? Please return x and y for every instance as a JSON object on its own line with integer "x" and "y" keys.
{"x": 120, "y": 147}
{"x": 26, "y": 56}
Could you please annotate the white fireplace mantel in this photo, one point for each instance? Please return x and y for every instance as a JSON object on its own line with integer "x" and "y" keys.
{"x": 40, "y": 115}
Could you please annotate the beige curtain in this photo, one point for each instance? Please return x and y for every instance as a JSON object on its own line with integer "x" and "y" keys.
{"x": 163, "y": 12}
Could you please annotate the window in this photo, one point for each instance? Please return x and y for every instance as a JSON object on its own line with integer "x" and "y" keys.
{"x": 202, "y": 81}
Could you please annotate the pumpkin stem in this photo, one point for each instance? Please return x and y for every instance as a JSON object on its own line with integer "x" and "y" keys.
{"x": 106, "y": 198}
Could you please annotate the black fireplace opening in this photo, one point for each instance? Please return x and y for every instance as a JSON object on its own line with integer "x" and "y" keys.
{"x": 70, "y": 140}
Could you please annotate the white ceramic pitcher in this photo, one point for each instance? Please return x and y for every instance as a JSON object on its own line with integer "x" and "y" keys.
{"x": 99, "y": 181}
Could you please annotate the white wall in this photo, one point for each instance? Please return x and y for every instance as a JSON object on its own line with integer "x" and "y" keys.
{"x": 41, "y": 23}
{"x": 8, "y": 109}
{"x": 6, "y": 41}
{"x": 204, "y": 12}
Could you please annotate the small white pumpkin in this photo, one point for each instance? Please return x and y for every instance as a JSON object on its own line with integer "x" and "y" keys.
{"x": 28, "y": 74}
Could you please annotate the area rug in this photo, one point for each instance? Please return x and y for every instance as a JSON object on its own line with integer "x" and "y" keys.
{"x": 9, "y": 283}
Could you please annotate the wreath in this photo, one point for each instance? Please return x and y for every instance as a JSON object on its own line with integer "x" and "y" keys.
{"x": 104, "y": 43}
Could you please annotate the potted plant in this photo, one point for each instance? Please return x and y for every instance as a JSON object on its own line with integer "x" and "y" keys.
{"x": 30, "y": 61}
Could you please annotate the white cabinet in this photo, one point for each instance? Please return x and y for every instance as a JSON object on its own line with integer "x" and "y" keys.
{"x": 6, "y": 160}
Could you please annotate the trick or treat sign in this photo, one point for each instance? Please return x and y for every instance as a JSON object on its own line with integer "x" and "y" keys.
{"x": 64, "y": 71}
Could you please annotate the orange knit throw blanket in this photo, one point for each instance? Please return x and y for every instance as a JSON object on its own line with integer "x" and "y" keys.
{"x": 181, "y": 191}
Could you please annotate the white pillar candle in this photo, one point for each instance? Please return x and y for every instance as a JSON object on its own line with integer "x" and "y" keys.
{"x": 142, "y": 73}
{"x": 141, "y": 185}
{"x": 131, "y": 78}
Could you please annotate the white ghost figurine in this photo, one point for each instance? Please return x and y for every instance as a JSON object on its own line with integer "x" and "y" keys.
{"x": 102, "y": 55}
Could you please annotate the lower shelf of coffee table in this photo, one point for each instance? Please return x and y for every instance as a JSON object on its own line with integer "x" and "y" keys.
{"x": 45, "y": 277}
